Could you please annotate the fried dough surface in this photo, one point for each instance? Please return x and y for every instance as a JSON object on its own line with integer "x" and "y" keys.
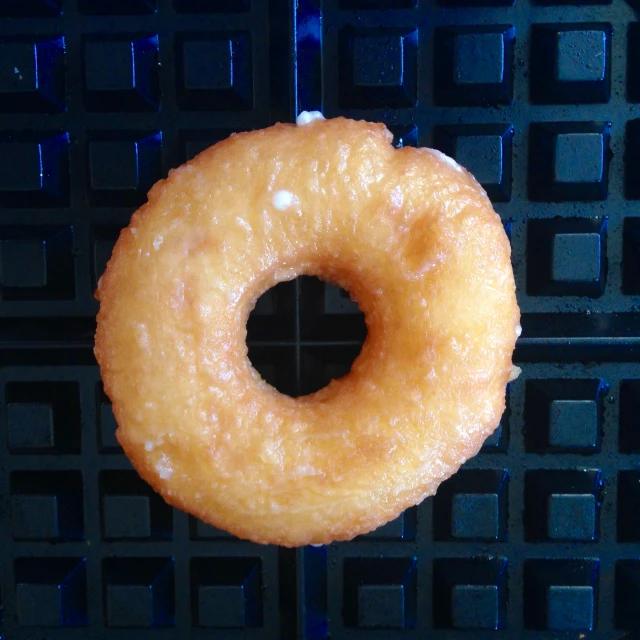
{"x": 414, "y": 239}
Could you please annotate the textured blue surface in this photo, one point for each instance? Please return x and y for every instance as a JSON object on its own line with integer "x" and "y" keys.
{"x": 539, "y": 535}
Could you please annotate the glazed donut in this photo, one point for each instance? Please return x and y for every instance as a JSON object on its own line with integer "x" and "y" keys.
{"x": 414, "y": 239}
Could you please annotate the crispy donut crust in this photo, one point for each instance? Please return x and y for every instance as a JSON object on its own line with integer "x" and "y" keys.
{"x": 414, "y": 239}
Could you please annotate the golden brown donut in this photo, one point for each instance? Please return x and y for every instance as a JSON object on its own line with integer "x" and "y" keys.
{"x": 414, "y": 239}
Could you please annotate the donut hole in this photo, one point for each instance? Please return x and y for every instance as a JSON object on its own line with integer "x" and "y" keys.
{"x": 304, "y": 333}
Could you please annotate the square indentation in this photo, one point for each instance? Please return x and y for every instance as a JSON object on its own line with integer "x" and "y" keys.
{"x": 123, "y": 166}
{"x": 564, "y": 415}
{"x": 627, "y": 595}
{"x": 498, "y": 441}
{"x": 629, "y": 435}
{"x": 114, "y": 165}
{"x": 562, "y": 595}
{"x": 474, "y": 65}
{"x": 43, "y": 417}
{"x": 573, "y": 424}
{"x": 103, "y": 239}
{"x": 138, "y": 592}
{"x": 51, "y": 592}
{"x": 633, "y": 55}
{"x": 327, "y": 312}
{"x": 126, "y": 516}
{"x": 206, "y": 6}
{"x": 32, "y": 75}
{"x": 571, "y": 146}
{"x": 472, "y": 505}
{"x": 628, "y": 511}
{"x": 485, "y": 150}
{"x": 322, "y": 364}
{"x": 131, "y": 509}
{"x": 276, "y": 366}
{"x": 475, "y": 606}
{"x": 30, "y": 426}
{"x": 107, "y": 424}
{"x": 576, "y": 257}
{"x": 377, "y": 4}
{"x": 631, "y": 256}
{"x": 580, "y": 3}
{"x": 121, "y": 74}
{"x": 381, "y": 606}
{"x": 378, "y": 68}
{"x": 569, "y": 161}
{"x": 567, "y": 257}
{"x": 466, "y": 507}
{"x": 226, "y": 593}
{"x": 402, "y": 528}
{"x": 194, "y": 141}
{"x": 31, "y": 9}
{"x": 632, "y": 161}
{"x": 15, "y": 255}
{"x": 572, "y": 517}
{"x": 117, "y": 7}
{"x": 562, "y": 505}
{"x": 214, "y": 71}
{"x": 570, "y": 607}
{"x": 404, "y": 136}
{"x": 46, "y": 505}
{"x": 273, "y": 317}
{"x": 476, "y": 3}
{"x": 37, "y": 263}
{"x": 380, "y": 593}
{"x": 571, "y": 64}
{"x": 337, "y": 301}
{"x": 479, "y": 58}
{"x": 199, "y": 530}
{"x": 583, "y": 53}
{"x": 470, "y": 593}
{"x": 34, "y": 169}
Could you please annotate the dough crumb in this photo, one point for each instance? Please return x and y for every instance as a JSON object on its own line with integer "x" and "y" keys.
{"x": 515, "y": 372}
{"x": 283, "y": 200}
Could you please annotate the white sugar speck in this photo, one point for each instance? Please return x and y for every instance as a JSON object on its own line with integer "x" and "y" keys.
{"x": 445, "y": 158}
{"x": 306, "y": 117}
{"x": 164, "y": 468}
{"x": 515, "y": 372}
{"x": 157, "y": 242}
{"x": 148, "y": 446}
{"x": 282, "y": 199}
{"x": 396, "y": 197}
{"x": 518, "y": 331}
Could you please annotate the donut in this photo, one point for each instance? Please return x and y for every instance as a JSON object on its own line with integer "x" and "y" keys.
{"x": 413, "y": 238}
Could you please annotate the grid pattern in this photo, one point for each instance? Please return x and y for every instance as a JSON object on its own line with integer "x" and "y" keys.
{"x": 538, "y": 534}
{"x": 537, "y": 100}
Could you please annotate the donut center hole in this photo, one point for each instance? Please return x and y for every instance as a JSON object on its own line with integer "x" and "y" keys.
{"x": 303, "y": 333}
